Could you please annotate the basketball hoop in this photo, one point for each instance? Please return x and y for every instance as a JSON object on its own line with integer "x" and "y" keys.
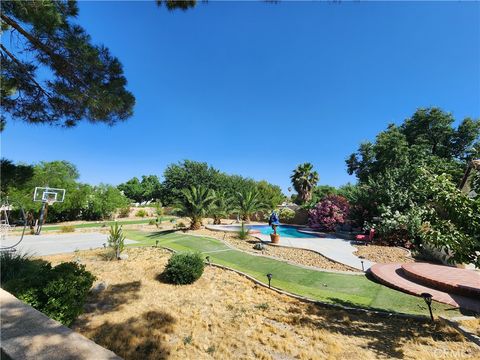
{"x": 48, "y": 196}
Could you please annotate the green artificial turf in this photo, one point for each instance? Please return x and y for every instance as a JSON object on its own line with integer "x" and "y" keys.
{"x": 344, "y": 289}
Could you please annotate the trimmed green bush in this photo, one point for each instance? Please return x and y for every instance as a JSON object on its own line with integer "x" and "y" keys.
{"x": 59, "y": 292}
{"x": 184, "y": 268}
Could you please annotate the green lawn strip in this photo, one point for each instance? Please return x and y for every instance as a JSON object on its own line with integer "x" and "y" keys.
{"x": 101, "y": 224}
{"x": 348, "y": 290}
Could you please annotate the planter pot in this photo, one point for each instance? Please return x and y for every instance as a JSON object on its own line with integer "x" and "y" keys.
{"x": 275, "y": 238}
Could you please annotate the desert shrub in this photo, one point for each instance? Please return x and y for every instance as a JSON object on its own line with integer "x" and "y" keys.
{"x": 124, "y": 212}
{"x": 184, "y": 268}
{"x": 243, "y": 233}
{"x": 328, "y": 213}
{"x": 181, "y": 225}
{"x": 59, "y": 292}
{"x": 141, "y": 213}
{"x": 286, "y": 215}
{"x": 152, "y": 222}
{"x": 116, "y": 239}
{"x": 67, "y": 228}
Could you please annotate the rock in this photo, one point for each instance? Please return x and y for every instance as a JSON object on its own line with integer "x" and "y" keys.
{"x": 123, "y": 257}
{"x": 259, "y": 246}
{"x": 99, "y": 287}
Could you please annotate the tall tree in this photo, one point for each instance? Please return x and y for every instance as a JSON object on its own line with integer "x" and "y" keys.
{"x": 304, "y": 179}
{"x": 248, "y": 203}
{"x": 427, "y": 138}
{"x": 51, "y": 73}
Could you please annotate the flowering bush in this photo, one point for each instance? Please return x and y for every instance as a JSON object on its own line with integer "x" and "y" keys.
{"x": 328, "y": 213}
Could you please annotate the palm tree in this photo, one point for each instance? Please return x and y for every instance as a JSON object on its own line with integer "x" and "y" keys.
{"x": 195, "y": 203}
{"x": 248, "y": 203}
{"x": 222, "y": 207}
{"x": 304, "y": 180}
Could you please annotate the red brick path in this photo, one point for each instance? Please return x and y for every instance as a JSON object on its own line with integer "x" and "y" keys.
{"x": 393, "y": 275}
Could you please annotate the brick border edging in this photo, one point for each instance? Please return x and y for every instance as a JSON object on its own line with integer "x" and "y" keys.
{"x": 385, "y": 314}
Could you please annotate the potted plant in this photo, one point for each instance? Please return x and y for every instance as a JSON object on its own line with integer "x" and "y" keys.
{"x": 273, "y": 222}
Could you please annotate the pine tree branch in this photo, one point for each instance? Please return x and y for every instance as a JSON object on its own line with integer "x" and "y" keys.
{"x": 22, "y": 66}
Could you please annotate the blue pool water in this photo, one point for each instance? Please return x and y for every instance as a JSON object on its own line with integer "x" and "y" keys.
{"x": 283, "y": 230}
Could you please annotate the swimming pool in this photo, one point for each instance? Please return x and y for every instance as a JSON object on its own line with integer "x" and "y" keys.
{"x": 283, "y": 230}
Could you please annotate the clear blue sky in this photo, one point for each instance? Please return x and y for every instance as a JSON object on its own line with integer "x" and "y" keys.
{"x": 257, "y": 88}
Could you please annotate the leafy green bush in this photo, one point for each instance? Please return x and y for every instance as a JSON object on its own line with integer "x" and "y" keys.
{"x": 286, "y": 215}
{"x": 141, "y": 213}
{"x": 124, "y": 212}
{"x": 184, "y": 268}
{"x": 59, "y": 292}
{"x": 67, "y": 228}
{"x": 243, "y": 233}
{"x": 152, "y": 222}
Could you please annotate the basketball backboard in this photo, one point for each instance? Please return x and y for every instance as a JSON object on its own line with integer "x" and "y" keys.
{"x": 48, "y": 195}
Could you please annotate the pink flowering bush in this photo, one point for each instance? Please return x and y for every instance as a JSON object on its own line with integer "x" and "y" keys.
{"x": 328, "y": 213}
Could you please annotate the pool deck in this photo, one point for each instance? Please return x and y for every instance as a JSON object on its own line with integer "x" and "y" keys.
{"x": 330, "y": 246}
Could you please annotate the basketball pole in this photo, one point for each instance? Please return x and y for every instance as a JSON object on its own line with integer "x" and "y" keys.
{"x": 42, "y": 215}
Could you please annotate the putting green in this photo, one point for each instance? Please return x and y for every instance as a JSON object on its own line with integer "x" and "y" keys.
{"x": 344, "y": 289}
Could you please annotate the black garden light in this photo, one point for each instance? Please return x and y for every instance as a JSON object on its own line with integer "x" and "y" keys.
{"x": 269, "y": 276}
{"x": 208, "y": 259}
{"x": 156, "y": 243}
{"x": 363, "y": 269}
{"x": 428, "y": 300}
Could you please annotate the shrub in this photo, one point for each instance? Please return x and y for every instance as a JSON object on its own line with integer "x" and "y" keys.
{"x": 116, "y": 239}
{"x": 328, "y": 213}
{"x": 181, "y": 225}
{"x": 152, "y": 222}
{"x": 67, "y": 228}
{"x": 124, "y": 212}
{"x": 243, "y": 233}
{"x": 141, "y": 213}
{"x": 286, "y": 215}
{"x": 184, "y": 268}
{"x": 59, "y": 292}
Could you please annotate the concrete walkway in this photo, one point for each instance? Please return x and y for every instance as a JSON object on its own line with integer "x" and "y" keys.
{"x": 28, "y": 334}
{"x": 334, "y": 248}
{"x": 59, "y": 243}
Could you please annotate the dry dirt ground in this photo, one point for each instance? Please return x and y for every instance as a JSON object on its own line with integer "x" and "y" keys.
{"x": 383, "y": 254}
{"x": 225, "y": 316}
{"x": 472, "y": 325}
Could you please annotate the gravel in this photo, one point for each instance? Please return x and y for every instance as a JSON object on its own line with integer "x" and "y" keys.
{"x": 383, "y": 254}
{"x": 298, "y": 256}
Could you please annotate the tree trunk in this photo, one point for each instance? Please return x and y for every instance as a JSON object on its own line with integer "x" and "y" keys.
{"x": 246, "y": 218}
{"x": 196, "y": 224}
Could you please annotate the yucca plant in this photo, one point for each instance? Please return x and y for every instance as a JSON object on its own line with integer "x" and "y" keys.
{"x": 221, "y": 207}
{"x": 248, "y": 203}
{"x": 116, "y": 239}
{"x": 195, "y": 203}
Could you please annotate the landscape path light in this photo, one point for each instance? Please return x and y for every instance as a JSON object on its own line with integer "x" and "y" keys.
{"x": 269, "y": 276}
{"x": 428, "y": 300}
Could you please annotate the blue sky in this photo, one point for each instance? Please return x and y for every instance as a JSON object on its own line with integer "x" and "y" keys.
{"x": 257, "y": 88}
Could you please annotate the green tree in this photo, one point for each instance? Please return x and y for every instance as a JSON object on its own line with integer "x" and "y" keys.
{"x": 427, "y": 139}
{"x": 51, "y": 73}
{"x": 248, "y": 203}
{"x": 195, "y": 204}
{"x": 222, "y": 207}
{"x": 139, "y": 191}
{"x": 185, "y": 175}
{"x": 304, "y": 179}
{"x": 13, "y": 175}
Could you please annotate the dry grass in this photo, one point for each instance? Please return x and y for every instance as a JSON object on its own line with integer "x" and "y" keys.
{"x": 225, "y": 316}
{"x": 298, "y": 256}
{"x": 383, "y": 254}
{"x": 472, "y": 325}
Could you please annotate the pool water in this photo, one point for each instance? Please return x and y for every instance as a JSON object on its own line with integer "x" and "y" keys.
{"x": 283, "y": 230}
